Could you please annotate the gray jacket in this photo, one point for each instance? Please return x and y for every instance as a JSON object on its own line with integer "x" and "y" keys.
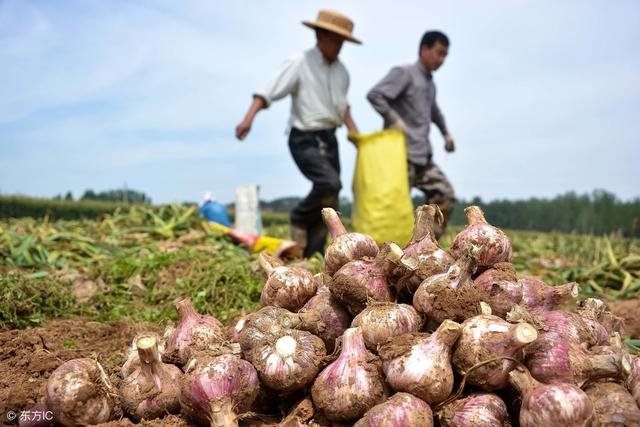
{"x": 408, "y": 91}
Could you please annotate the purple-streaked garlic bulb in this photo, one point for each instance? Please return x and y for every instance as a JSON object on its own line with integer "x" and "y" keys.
{"x": 538, "y": 295}
{"x": 423, "y": 240}
{"x": 486, "y": 337}
{"x": 272, "y": 321}
{"x": 383, "y": 320}
{"x": 344, "y": 247}
{"x": 555, "y": 358}
{"x": 420, "y": 363}
{"x": 219, "y": 391}
{"x": 633, "y": 381}
{"x": 133, "y": 360}
{"x": 400, "y": 410}
{"x": 551, "y": 405}
{"x": 235, "y": 327}
{"x": 499, "y": 288}
{"x": 451, "y": 295}
{"x": 78, "y": 392}
{"x": 614, "y": 344}
{"x": 288, "y": 360}
{"x": 44, "y": 419}
{"x": 613, "y": 404}
{"x": 572, "y": 326}
{"x": 423, "y": 257}
{"x": 475, "y": 410}
{"x": 486, "y": 244}
{"x": 335, "y": 317}
{"x": 286, "y": 287}
{"x": 599, "y": 333}
{"x": 595, "y": 310}
{"x": 153, "y": 389}
{"x": 194, "y": 332}
{"x": 359, "y": 282}
{"x": 351, "y": 385}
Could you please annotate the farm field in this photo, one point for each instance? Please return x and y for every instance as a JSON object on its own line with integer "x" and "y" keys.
{"x": 84, "y": 288}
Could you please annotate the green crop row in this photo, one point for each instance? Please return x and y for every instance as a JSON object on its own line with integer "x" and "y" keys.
{"x": 135, "y": 262}
{"x": 20, "y": 206}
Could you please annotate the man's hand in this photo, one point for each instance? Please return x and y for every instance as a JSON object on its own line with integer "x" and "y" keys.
{"x": 352, "y": 129}
{"x": 353, "y": 135}
{"x": 398, "y": 124}
{"x": 448, "y": 143}
{"x": 242, "y": 130}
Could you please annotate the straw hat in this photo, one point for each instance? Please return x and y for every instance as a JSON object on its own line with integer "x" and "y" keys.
{"x": 335, "y": 22}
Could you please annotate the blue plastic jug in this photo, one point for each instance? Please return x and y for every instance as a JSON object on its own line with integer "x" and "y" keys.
{"x": 215, "y": 212}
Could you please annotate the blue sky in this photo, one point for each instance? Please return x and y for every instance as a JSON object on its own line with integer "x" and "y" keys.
{"x": 542, "y": 97}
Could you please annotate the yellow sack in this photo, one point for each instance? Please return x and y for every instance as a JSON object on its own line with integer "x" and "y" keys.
{"x": 382, "y": 205}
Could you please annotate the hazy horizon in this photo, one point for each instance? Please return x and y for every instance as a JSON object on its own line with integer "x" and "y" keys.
{"x": 77, "y": 197}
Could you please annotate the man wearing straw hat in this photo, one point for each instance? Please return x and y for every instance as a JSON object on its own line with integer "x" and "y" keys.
{"x": 406, "y": 99}
{"x": 317, "y": 82}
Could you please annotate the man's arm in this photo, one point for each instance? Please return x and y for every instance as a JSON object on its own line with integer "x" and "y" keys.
{"x": 281, "y": 85}
{"x": 438, "y": 118}
{"x": 348, "y": 120}
{"x": 388, "y": 89}
{"x": 242, "y": 130}
{"x": 351, "y": 125}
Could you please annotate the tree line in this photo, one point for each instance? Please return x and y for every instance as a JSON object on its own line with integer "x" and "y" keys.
{"x": 120, "y": 195}
{"x": 599, "y": 212}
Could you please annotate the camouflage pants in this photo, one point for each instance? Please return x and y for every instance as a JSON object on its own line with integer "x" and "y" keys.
{"x": 436, "y": 188}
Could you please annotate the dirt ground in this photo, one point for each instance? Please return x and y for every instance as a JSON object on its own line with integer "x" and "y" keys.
{"x": 630, "y": 312}
{"x": 28, "y": 357}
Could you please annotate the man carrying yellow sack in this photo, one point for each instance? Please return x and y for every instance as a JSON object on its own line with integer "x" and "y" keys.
{"x": 317, "y": 82}
{"x": 406, "y": 99}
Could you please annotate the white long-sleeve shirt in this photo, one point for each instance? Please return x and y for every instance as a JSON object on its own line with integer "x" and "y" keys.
{"x": 318, "y": 90}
